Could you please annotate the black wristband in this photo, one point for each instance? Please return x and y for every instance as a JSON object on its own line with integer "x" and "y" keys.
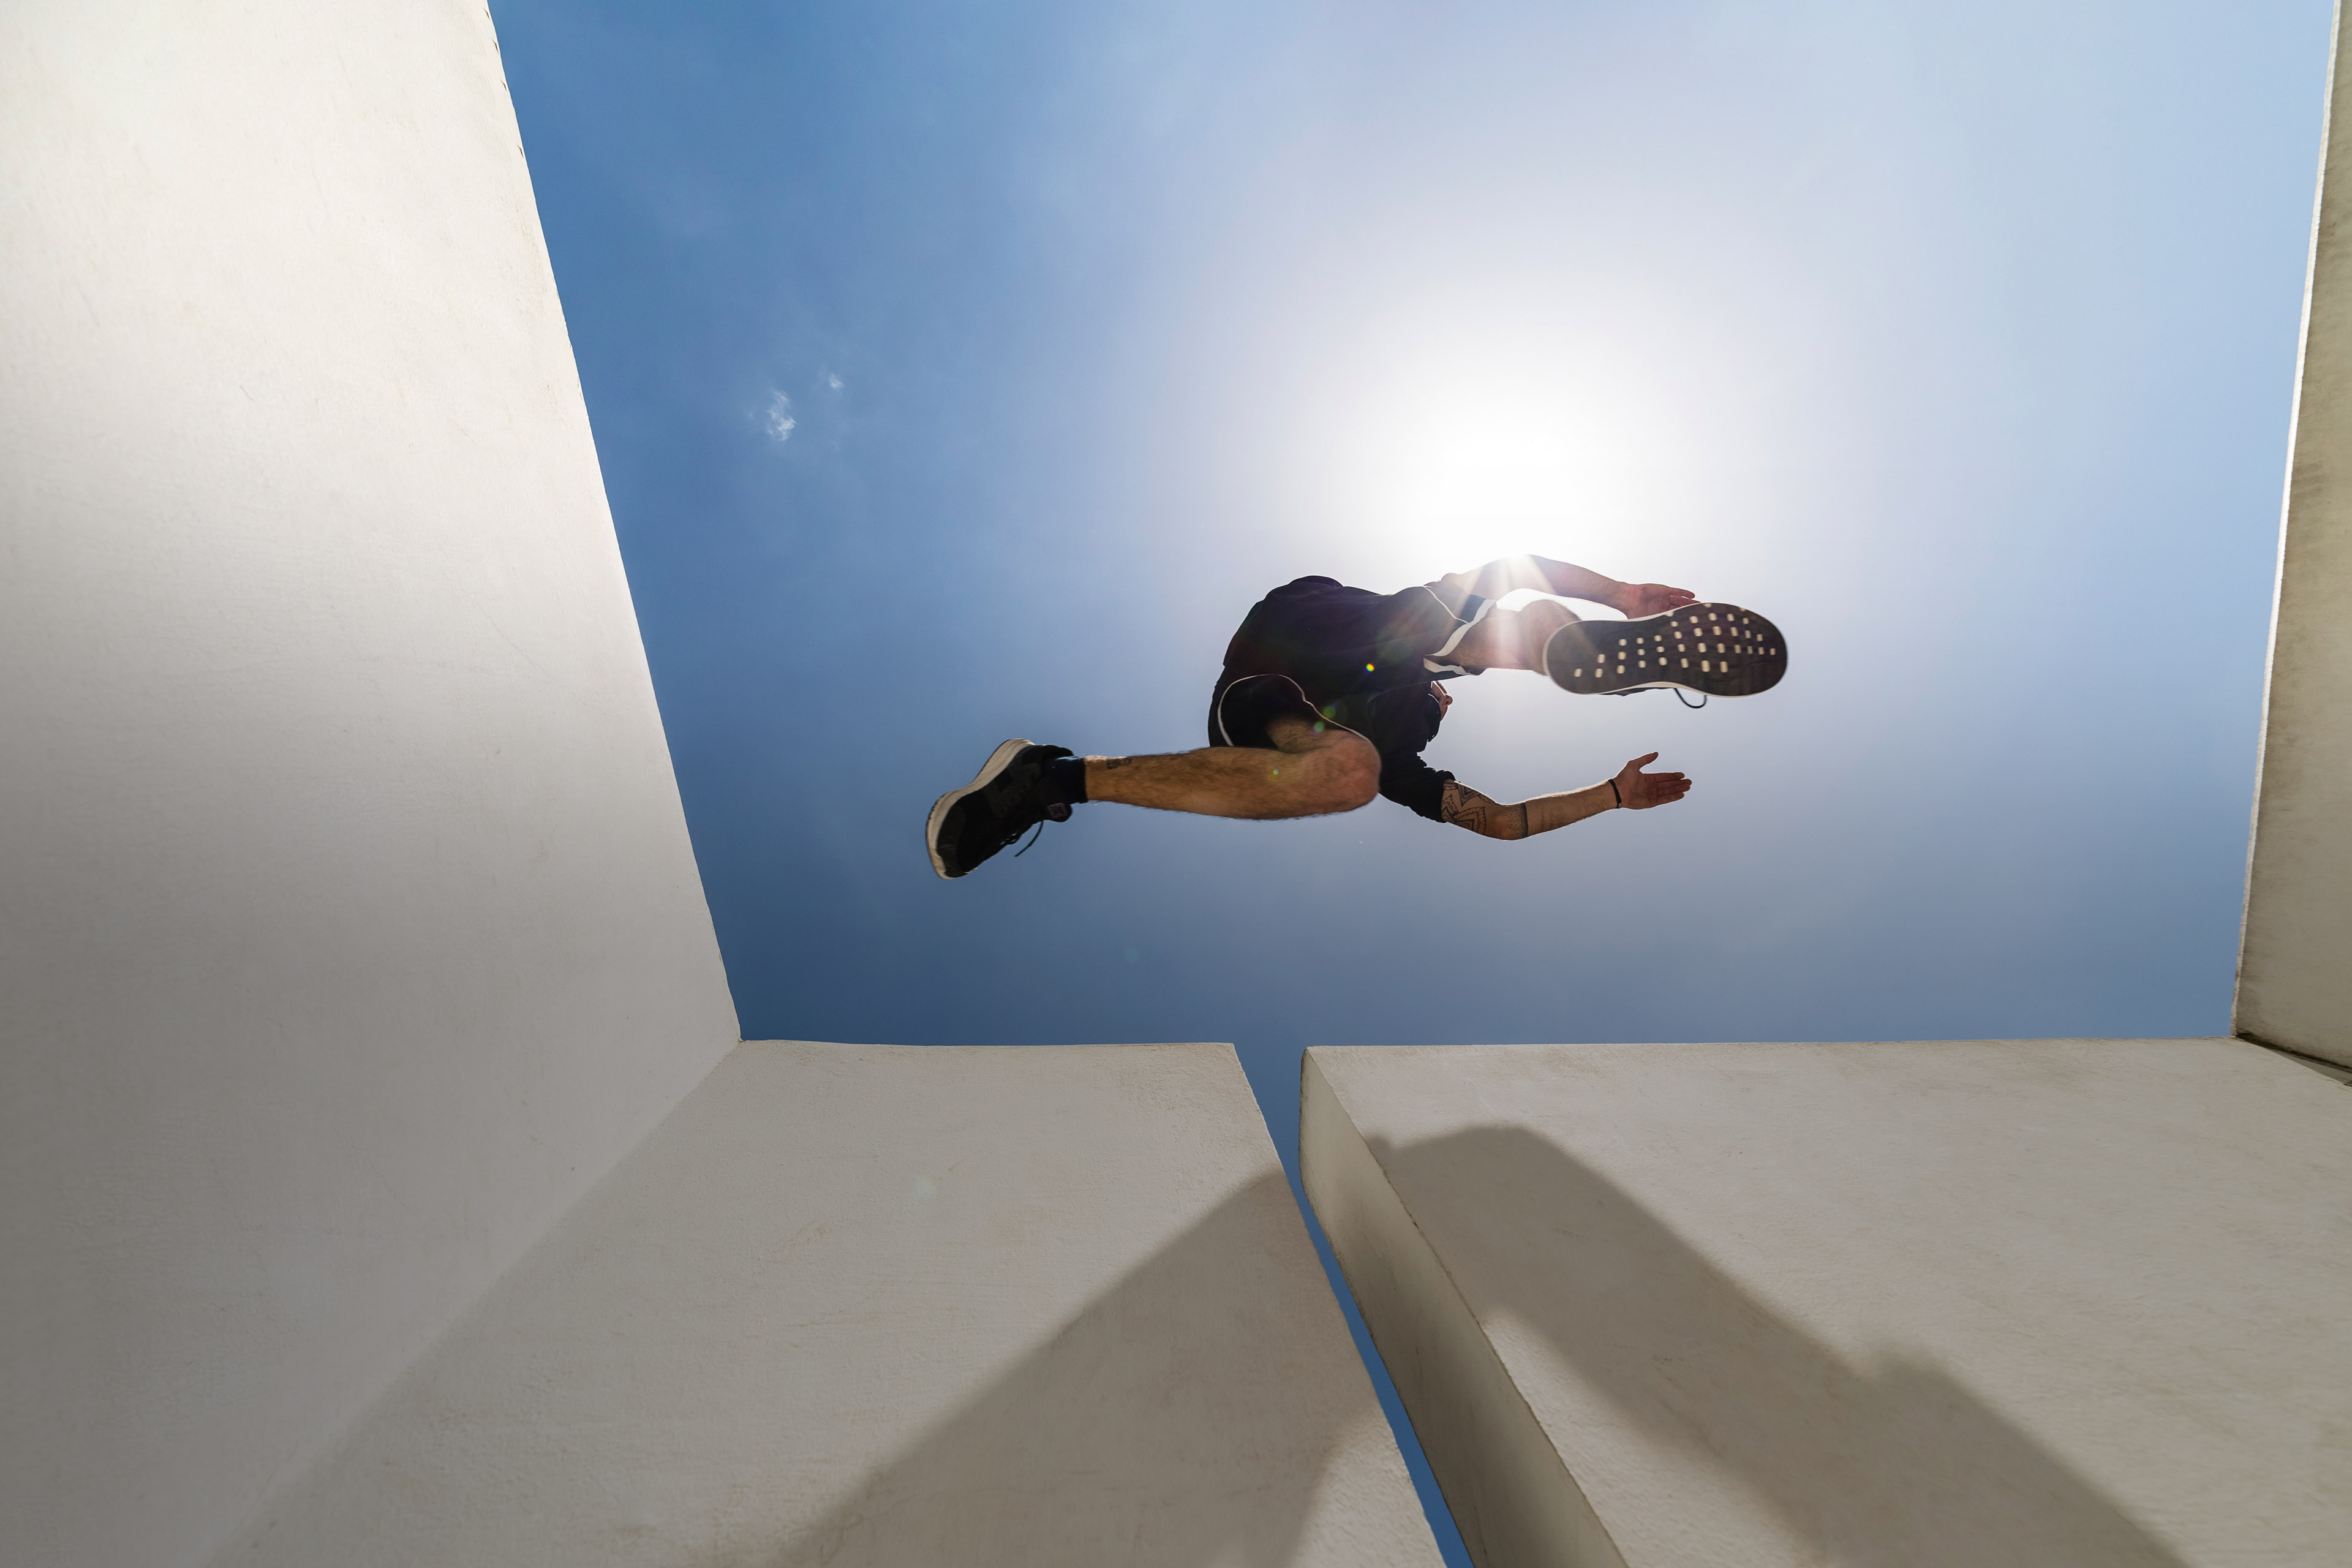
{"x": 1615, "y": 791}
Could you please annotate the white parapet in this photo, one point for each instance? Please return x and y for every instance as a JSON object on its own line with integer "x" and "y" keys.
{"x": 870, "y": 1305}
{"x": 349, "y": 926}
{"x": 1938, "y": 1304}
{"x": 2295, "y": 963}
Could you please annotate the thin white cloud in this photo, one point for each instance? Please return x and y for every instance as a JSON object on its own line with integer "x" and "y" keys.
{"x": 781, "y": 423}
{"x": 833, "y": 381}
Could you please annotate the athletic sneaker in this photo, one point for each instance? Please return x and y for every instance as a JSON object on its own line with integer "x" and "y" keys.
{"x": 1008, "y": 797}
{"x": 1719, "y": 649}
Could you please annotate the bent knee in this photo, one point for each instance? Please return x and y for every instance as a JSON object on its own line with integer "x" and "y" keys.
{"x": 1347, "y": 771}
{"x": 1546, "y": 617}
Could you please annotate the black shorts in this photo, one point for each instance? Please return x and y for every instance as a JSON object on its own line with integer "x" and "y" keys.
{"x": 1397, "y": 720}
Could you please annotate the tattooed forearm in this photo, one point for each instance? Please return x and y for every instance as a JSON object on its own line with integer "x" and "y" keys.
{"x": 1465, "y": 807}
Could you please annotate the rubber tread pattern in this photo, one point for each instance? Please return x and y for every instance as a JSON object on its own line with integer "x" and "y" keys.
{"x": 1723, "y": 650}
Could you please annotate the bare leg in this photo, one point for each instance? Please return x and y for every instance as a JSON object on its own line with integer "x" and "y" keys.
{"x": 1512, "y": 639}
{"x": 1309, "y": 775}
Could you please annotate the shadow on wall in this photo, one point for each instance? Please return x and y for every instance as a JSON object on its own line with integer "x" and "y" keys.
{"x": 1897, "y": 1465}
{"x": 1176, "y": 1420}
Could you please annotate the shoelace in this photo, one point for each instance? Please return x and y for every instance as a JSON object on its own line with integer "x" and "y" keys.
{"x": 1681, "y": 693}
{"x": 1040, "y": 831}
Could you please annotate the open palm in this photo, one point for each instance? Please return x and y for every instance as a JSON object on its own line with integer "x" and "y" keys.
{"x": 1641, "y": 791}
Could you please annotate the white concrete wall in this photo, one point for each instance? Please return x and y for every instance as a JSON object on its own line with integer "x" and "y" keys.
{"x": 1940, "y": 1304}
{"x": 1508, "y": 1489}
{"x": 879, "y": 1305}
{"x": 2295, "y": 963}
{"x": 349, "y": 928}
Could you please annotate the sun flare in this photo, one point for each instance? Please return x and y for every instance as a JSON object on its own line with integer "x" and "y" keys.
{"x": 1459, "y": 434}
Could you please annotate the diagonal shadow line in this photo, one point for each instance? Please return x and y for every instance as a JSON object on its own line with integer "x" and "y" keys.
{"x": 1186, "y": 1416}
{"x": 1105, "y": 1443}
{"x": 1899, "y": 1465}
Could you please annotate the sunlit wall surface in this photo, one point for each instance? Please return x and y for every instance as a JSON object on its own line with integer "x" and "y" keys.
{"x": 966, "y": 371}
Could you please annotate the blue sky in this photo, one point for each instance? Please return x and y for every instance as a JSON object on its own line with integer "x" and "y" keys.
{"x": 1959, "y": 340}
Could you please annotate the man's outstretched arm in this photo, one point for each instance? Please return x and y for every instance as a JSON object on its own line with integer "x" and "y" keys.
{"x": 1497, "y": 578}
{"x": 1631, "y": 788}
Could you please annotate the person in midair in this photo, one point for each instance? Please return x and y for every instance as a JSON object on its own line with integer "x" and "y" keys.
{"x": 1330, "y": 695}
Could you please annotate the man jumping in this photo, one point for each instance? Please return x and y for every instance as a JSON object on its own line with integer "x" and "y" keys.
{"x": 1328, "y": 699}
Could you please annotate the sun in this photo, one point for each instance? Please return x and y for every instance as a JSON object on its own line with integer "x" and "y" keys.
{"x": 1457, "y": 432}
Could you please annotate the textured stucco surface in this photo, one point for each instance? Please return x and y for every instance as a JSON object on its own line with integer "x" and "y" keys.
{"x": 350, "y": 928}
{"x": 888, "y": 1305}
{"x": 2294, "y": 965}
{"x": 1934, "y": 1304}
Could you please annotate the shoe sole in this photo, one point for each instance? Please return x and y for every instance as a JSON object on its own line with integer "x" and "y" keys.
{"x": 1722, "y": 650}
{"x": 998, "y": 761}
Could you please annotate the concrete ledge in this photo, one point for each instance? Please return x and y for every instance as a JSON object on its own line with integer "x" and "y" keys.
{"x": 1940, "y": 1304}
{"x": 1510, "y": 1495}
{"x": 2294, "y": 986}
{"x": 882, "y": 1305}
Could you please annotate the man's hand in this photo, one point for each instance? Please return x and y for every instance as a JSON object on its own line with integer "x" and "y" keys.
{"x": 1635, "y": 600}
{"x": 1641, "y": 791}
